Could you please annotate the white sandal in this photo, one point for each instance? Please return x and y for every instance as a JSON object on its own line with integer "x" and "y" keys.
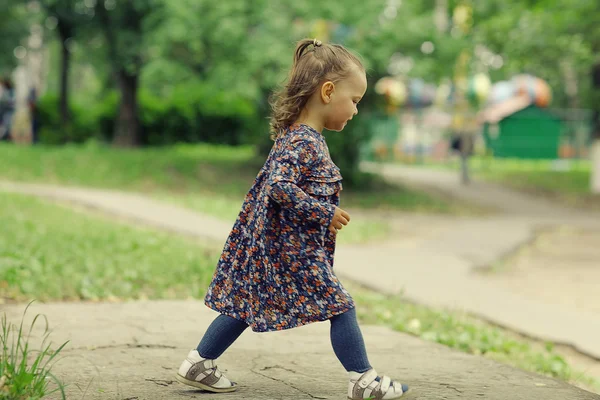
{"x": 368, "y": 386}
{"x": 203, "y": 374}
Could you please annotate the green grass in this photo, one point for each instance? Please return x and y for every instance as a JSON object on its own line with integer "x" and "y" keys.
{"x": 567, "y": 182}
{"x": 568, "y": 187}
{"x": 52, "y": 253}
{"x": 25, "y": 371}
{"x": 208, "y": 178}
{"x": 211, "y": 169}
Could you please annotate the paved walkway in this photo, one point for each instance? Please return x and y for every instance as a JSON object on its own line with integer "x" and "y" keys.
{"x": 130, "y": 206}
{"x": 132, "y": 351}
{"x": 435, "y": 269}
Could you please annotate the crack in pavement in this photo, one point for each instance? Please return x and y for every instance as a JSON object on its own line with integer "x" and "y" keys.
{"x": 450, "y": 387}
{"x": 160, "y": 382}
{"x": 254, "y": 362}
{"x": 284, "y": 368}
{"x": 123, "y": 345}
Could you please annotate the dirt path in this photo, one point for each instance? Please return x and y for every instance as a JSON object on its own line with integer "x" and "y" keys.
{"x": 561, "y": 266}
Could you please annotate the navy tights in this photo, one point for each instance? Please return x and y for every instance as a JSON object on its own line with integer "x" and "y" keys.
{"x": 346, "y": 339}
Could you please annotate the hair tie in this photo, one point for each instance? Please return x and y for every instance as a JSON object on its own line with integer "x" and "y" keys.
{"x": 317, "y": 43}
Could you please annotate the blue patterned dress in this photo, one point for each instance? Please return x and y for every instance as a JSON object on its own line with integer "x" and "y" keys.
{"x": 276, "y": 269}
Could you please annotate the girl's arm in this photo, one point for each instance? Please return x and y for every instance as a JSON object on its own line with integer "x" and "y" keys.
{"x": 296, "y": 161}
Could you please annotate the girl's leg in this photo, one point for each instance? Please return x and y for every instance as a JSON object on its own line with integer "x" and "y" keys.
{"x": 348, "y": 344}
{"x": 221, "y": 334}
{"x": 349, "y": 347}
{"x": 199, "y": 369}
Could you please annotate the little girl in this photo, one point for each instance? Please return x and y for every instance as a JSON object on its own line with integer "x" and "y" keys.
{"x": 276, "y": 269}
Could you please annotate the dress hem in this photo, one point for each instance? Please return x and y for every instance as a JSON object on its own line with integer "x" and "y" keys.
{"x": 316, "y": 318}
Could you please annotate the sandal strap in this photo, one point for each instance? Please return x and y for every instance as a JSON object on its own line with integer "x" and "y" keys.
{"x": 201, "y": 368}
{"x": 368, "y": 382}
{"x": 211, "y": 378}
{"x": 385, "y": 384}
{"x": 365, "y": 382}
{"x": 366, "y": 378}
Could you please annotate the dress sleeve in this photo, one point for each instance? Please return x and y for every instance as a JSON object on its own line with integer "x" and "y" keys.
{"x": 296, "y": 160}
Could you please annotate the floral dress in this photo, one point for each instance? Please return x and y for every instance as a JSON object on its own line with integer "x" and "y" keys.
{"x": 276, "y": 269}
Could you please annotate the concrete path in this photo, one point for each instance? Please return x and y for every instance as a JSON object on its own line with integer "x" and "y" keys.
{"x": 435, "y": 269}
{"x": 132, "y": 351}
{"x": 130, "y": 206}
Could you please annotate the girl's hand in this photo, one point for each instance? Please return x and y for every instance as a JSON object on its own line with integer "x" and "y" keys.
{"x": 340, "y": 218}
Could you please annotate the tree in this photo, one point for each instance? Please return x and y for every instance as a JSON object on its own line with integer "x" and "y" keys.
{"x": 69, "y": 17}
{"x": 125, "y": 26}
{"x": 570, "y": 32}
{"x": 595, "y": 154}
{"x": 14, "y": 28}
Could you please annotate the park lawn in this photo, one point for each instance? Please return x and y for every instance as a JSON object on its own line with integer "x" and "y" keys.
{"x": 567, "y": 182}
{"x": 49, "y": 252}
{"x": 209, "y": 178}
{"x": 571, "y": 188}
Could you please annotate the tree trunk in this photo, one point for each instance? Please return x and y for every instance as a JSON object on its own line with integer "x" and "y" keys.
{"x": 127, "y": 126}
{"x": 65, "y": 32}
{"x": 595, "y": 154}
{"x": 595, "y": 159}
{"x": 64, "y": 86}
{"x": 595, "y": 150}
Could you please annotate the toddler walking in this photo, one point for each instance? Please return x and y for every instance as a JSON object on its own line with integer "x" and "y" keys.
{"x": 276, "y": 269}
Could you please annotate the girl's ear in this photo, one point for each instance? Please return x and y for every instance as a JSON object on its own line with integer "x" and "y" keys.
{"x": 326, "y": 91}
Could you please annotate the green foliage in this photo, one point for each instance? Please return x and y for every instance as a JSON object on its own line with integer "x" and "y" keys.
{"x": 235, "y": 45}
{"x": 71, "y": 15}
{"x": 82, "y": 128}
{"x": 542, "y": 38}
{"x": 24, "y": 371}
{"x": 189, "y": 114}
{"x": 195, "y": 112}
{"x": 344, "y": 148}
{"x": 205, "y": 68}
{"x": 13, "y": 31}
{"x": 124, "y": 27}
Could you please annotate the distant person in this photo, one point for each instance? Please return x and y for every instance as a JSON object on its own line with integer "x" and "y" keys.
{"x": 462, "y": 144}
{"x": 7, "y": 108}
{"x": 276, "y": 268}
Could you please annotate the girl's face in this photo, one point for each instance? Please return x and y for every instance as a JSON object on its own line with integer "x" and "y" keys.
{"x": 344, "y": 99}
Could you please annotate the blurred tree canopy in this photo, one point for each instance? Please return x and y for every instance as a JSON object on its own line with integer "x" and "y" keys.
{"x": 156, "y": 71}
{"x": 66, "y": 18}
{"x": 13, "y": 31}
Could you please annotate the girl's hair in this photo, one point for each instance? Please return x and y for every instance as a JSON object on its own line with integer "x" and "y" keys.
{"x": 314, "y": 62}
